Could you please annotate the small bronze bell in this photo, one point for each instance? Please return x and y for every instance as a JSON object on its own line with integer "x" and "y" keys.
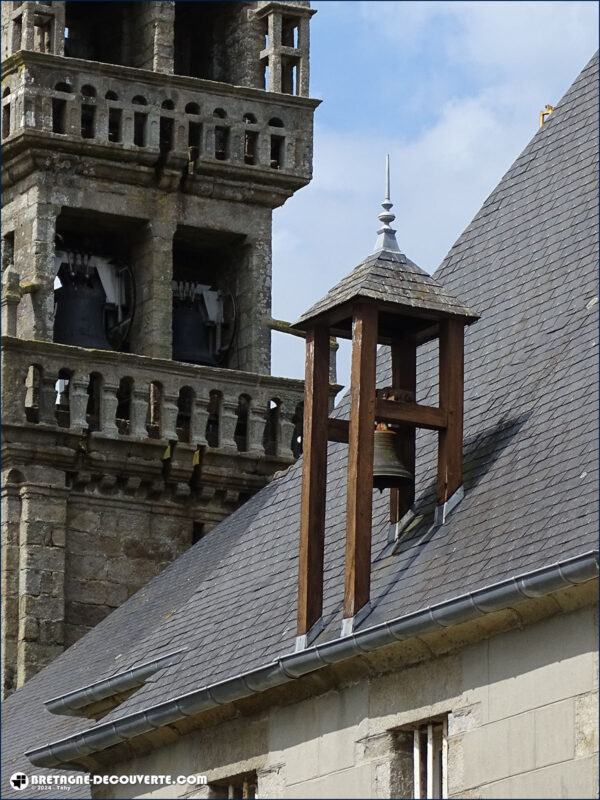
{"x": 388, "y": 470}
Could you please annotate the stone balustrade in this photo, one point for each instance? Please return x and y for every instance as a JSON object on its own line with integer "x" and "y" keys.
{"x": 131, "y": 397}
{"x": 137, "y": 112}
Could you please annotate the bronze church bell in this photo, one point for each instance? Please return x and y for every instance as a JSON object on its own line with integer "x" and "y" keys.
{"x": 388, "y": 470}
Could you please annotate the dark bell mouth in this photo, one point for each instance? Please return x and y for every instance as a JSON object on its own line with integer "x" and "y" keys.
{"x": 382, "y": 482}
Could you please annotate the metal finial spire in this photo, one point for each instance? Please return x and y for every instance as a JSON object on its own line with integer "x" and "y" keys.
{"x": 386, "y": 236}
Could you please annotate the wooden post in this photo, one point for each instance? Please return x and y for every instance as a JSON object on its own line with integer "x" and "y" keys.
{"x": 360, "y": 459}
{"x": 404, "y": 378}
{"x": 450, "y": 442}
{"x": 314, "y": 479}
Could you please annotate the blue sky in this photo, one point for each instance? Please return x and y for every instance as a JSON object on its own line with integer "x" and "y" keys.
{"x": 452, "y": 90}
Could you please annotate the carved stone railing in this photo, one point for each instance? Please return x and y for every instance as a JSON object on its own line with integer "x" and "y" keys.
{"x": 135, "y": 398}
{"x": 132, "y": 113}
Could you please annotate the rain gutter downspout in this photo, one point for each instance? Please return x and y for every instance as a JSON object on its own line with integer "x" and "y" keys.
{"x": 496, "y": 597}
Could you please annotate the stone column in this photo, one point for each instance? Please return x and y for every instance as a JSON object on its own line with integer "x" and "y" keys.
{"x": 11, "y": 519}
{"x": 163, "y": 45}
{"x": 42, "y": 535}
{"x": 257, "y": 419}
{"x": 11, "y": 297}
{"x": 169, "y": 412}
{"x": 34, "y": 261}
{"x": 285, "y": 431}
{"x": 274, "y": 51}
{"x": 228, "y": 420}
{"x": 151, "y": 333}
{"x": 303, "y": 46}
{"x": 27, "y": 35}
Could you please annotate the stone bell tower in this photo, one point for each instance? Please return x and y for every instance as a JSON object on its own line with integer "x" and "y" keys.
{"x": 145, "y": 146}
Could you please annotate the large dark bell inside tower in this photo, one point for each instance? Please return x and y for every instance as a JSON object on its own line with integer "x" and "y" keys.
{"x": 80, "y": 313}
{"x": 192, "y": 334}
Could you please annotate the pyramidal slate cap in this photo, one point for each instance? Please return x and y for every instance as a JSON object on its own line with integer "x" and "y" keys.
{"x": 393, "y": 282}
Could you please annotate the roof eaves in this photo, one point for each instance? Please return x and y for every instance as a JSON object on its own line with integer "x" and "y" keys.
{"x": 496, "y": 597}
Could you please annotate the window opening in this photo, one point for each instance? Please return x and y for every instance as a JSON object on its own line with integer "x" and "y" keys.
{"x": 63, "y": 87}
{"x": 168, "y": 105}
{"x": 249, "y": 119}
{"x": 115, "y": 116}
{"x": 8, "y": 250}
{"x": 271, "y": 431}
{"x": 212, "y": 424}
{"x": 289, "y": 32}
{"x": 430, "y": 758}
{"x": 5, "y": 120}
{"x": 241, "y": 429}
{"x": 240, "y": 786}
{"x": 43, "y": 27}
{"x": 288, "y": 75}
{"x": 88, "y": 91}
{"x": 110, "y": 95}
{"x": 59, "y": 115}
{"x": 192, "y": 108}
{"x": 277, "y": 152}
{"x": 221, "y": 143}
{"x": 275, "y": 122}
{"x": 17, "y": 32}
{"x": 194, "y": 134}
{"x": 220, "y": 113}
{"x": 62, "y": 407}
{"x": 138, "y": 100}
{"x": 298, "y": 420}
{"x": 165, "y": 141}
{"x": 123, "y": 413}
{"x": 184, "y": 413}
{"x": 88, "y": 121}
{"x": 266, "y": 76}
{"x": 92, "y": 412}
{"x": 139, "y": 129}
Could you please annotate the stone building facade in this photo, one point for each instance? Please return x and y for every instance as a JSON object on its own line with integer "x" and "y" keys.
{"x": 145, "y": 146}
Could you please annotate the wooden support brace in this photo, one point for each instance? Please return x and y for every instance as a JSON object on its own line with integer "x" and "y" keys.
{"x": 360, "y": 459}
{"x": 450, "y": 442}
{"x": 314, "y": 479}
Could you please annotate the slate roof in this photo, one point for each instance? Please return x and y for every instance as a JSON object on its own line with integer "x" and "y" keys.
{"x": 528, "y": 263}
{"x": 389, "y": 277}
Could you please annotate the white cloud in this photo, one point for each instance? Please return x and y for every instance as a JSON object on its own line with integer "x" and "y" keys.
{"x": 528, "y": 54}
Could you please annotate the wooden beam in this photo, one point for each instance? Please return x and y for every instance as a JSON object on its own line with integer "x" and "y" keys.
{"x": 393, "y": 411}
{"x": 337, "y": 430}
{"x": 314, "y": 479}
{"x": 450, "y": 441}
{"x": 404, "y": 379}
{"x": 360, "y": 459}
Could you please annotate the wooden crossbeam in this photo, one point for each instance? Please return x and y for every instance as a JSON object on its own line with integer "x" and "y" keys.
{"x": 393, "y": 411}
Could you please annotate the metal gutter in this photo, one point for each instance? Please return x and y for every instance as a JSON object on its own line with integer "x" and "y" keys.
{"x": 73, "y": 702}
{"x": 496, "y": 597}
